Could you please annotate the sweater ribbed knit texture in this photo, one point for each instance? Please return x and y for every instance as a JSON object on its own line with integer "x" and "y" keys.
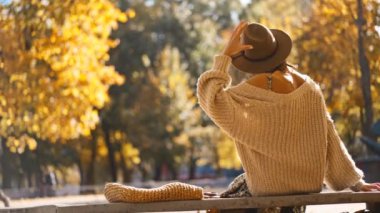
{"x": 115, "y": 192}
{"x": 287, "y": 143}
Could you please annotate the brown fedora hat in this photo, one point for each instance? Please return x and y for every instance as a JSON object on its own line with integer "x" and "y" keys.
{"x": 271, "y": 47}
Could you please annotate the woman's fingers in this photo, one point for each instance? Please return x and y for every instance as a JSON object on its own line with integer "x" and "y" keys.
{"x": 246, "y": 47}
{"x": 235, "y": 37}
{"x": 239, "y": 28}
{"x": 242, "y": 48}
{"x": 235, "y": 30}
{"x": 238, "y": 48}
{"x": 234, "y": 46}
{"x": 243, "y": 27}
{"x": 375, "y": 186}
{"x": 371, "y": 186}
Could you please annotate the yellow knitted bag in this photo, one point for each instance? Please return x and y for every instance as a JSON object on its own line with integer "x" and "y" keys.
{"x": 115, "y": 192}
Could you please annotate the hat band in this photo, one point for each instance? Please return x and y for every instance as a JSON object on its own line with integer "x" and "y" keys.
{"x": 261, "y": 59}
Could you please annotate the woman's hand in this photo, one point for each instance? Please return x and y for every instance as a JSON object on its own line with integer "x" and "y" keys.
{"x": 367, "y": 187}
{"x": 234, "y": 46}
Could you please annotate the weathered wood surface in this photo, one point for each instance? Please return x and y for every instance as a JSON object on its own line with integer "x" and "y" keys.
{"x": 37, "y": 209}
{"x": 214, "y": 203}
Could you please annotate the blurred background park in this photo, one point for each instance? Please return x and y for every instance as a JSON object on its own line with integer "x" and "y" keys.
{"x": 96, "y": 91}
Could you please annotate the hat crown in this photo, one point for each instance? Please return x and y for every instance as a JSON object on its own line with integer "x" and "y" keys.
{"x": 262, "y": 39}
{"x": 271, "y": 47}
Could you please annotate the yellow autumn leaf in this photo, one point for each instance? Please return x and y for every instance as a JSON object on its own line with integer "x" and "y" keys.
{"x": 63, "y": 76}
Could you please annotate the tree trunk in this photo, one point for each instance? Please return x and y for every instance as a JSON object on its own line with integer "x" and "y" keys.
{"x": 218, "y": 169}
{"x": 365, "y": 74}
{"x": 39, "y": 175}
{"x": 192, "y": 163}
{"x": 90, "y": 176}
{"x": 6, "y": 165}
{"x": 157, "y": 171}
{"x": 144, "y": 173}
{"x": 81, "y": 172}
{"x": 192, "y": 168}
{"x": 173, "y": 170}
{"x": 111, "y": 152}
{"x": 124, "y": 167}
{"x": 83, "y": 178}
{"x": 27, "y": 167}
{"x": 29, "y": 179}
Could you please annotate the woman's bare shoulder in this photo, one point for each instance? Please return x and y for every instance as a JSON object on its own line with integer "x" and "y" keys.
{"x": 297, "y": 76}
{"x": 297, "y": 73}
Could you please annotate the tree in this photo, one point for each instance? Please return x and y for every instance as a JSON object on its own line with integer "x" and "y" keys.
{"x": 365, "y": 72}
{"x": 326, "y": 50}
{"x": 53, "y": 77}
{"x": 162, "y": 113}
{"x": 193, "y": 29}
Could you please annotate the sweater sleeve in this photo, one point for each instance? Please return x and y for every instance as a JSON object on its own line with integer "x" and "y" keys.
{"x": 212, "y": 95}
{"x": 341, "y": 171}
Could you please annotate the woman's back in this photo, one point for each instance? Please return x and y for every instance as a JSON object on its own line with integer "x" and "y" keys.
{"x": 279, "y": 81}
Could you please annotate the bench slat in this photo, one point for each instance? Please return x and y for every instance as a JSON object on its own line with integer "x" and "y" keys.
{"x": 36, "y": 209}
{"x": 230, "y": 203}
{"x": 213, "y": 203}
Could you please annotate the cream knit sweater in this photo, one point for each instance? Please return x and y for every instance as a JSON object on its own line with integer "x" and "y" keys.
{"x": 287, "y": 143}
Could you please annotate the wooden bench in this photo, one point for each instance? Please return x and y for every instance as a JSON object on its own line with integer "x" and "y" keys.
{"x": 371, "y": 198}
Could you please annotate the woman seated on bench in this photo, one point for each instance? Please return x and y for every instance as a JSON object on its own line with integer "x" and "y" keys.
{"x": 284, "y": 136}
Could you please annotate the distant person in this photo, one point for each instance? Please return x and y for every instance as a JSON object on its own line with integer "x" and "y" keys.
{"x": 49, "y": 183}
{"x": 284, "y": 135}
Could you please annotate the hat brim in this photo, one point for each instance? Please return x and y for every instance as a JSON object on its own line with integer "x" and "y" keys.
{"x": 284, "y": 42}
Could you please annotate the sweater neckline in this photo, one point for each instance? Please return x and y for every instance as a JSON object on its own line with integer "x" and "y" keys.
{"x": 250, "y": 91}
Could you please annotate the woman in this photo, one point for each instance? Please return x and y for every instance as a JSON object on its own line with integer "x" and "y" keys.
{"x": 284, "y": 136}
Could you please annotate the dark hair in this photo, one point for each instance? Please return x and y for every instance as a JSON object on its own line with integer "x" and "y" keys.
{"x": 282, "y": 67}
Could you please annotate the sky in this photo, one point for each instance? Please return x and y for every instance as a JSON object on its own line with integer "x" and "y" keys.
{"x": 5, "y": 1}
{"x": 245, "y": 2}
